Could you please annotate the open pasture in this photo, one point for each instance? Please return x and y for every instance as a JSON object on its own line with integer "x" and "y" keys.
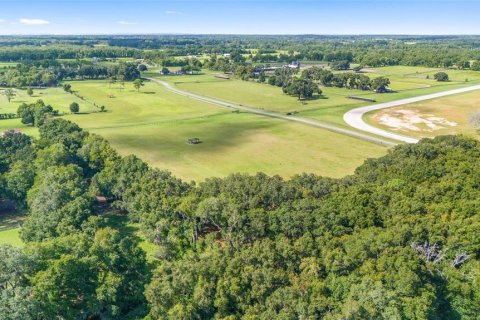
{"x": 409, "y": 78}
{"x": 155, "y": 124}
{"x": 334, "y": 102}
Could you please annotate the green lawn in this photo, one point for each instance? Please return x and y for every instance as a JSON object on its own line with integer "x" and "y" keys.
{"x": 9, "y": 229}
{"x": 155, "y": 124}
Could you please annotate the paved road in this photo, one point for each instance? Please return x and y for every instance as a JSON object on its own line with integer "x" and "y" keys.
{"x": 274, "y": 114}
{"x": 354, "y": 117}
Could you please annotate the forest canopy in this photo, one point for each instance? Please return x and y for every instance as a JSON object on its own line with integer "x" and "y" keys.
{"x": 398, "y": 239}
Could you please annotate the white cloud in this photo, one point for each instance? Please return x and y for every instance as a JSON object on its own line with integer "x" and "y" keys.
{"x": 171, "y": 12}
{"x": 34, "y": 22}
{"x": 126, "y": 22}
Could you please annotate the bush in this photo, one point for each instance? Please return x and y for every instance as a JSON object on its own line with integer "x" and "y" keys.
{"x": 74, "y": 107}
{"x": 441, "y": 76}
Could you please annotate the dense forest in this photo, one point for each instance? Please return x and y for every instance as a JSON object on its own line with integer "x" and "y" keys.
{"x": 396, "y": 240}
{"x": 430, "y": 51}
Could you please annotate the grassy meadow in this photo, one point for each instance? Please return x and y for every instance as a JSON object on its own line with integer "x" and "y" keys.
{"x": 155, "y": 124}
{"x": 405, "y": 81}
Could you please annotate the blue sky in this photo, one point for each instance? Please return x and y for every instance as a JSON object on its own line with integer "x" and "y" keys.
{"x": 240, "y": 16}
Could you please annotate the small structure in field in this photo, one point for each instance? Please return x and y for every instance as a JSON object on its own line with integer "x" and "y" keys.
{"x": 194, "y": 141}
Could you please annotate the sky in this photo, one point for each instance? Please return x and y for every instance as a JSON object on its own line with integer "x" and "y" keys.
{"x": 239, "y": 17}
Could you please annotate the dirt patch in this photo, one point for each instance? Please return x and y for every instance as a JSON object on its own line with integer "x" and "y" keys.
{"x": 412, "y": 120}
{"x": 368, "y": 70}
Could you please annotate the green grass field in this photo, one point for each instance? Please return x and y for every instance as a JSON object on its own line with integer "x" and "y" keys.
{"x": 456, "y": 108}
{"x": 10, "y": 228}
{"x": 406, "y": 82}
{"x": 155, "y": 124}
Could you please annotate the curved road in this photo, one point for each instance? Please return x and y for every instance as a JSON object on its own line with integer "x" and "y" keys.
{"x": 354, "y": 117}
{"x": 273, "y": 114}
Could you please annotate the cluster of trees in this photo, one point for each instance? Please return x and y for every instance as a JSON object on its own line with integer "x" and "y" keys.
{"x": 74, "y": 265}
{"x": 36, "y": 113}
{"x": 397, "y": 240}
{"x": 348, "y": 80}
{"x": 303, "y": 88}
{"x": 8, "y": 115}
{"x": 30, "y": 75}
{"x": 60, "y": 51}
{"x": 226, "y": 63}
{"x": 191, "y": 66}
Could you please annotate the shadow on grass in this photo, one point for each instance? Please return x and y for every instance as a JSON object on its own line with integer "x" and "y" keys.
{"x": 10, "y": 220}
{"x": 122, "y": 223}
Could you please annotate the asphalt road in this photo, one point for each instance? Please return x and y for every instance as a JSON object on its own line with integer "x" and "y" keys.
{"x": 240, "y": 107}
{"x": 354, "y": 117}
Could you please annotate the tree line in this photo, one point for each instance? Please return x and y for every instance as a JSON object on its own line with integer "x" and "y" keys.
{"x": 30, "y": 75}
{"x": 461, "y": 52}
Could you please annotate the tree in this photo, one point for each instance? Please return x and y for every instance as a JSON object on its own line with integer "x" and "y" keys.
{"x": 475, "y": 65}
{"x": 262, "y": 77}
{"x": 67, "y": 87}
{"x": 35, "y": 113}
{"x": 16, "y": 299}
{"x": 165, "y": 71}
{"x": 302, "y": 88}
{"x": 138, "y": 83}
{"x": 142, "y": 67}
{"x": 58, "y": 204}
{"x": 441, "y": 76}
{"x": 74, "y": 107}
{"x": 380, "y": 84}
{"x": 30, "y": 91}
{"x": 9, "y": 94}
{"x": 340, "y": 65}
{"x": 83, "y": 276}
